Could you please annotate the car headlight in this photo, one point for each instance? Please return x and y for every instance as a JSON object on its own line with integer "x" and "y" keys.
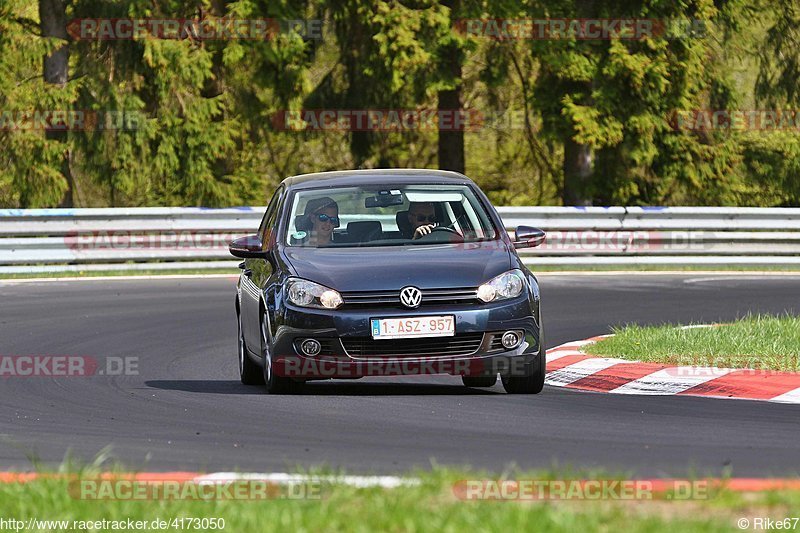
{"x": 309, "y": 294}
{"x": 505, "y": 286}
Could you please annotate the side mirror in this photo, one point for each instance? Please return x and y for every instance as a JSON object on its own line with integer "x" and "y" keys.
{"x": 528, "y": 237}
{"x": 247, "y": 247}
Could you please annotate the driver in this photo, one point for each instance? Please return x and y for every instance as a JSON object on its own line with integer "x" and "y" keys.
{"x": 421, "y": 218}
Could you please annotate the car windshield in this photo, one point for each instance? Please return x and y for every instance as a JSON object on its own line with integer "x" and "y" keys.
{"x": 388, "y": 215}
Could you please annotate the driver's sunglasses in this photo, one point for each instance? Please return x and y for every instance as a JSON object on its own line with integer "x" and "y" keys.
{"x": 423, "y": 218}
{"x": 325, "y": 218}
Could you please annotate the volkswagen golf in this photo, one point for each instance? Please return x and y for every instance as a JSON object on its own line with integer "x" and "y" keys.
{"x": 387, "y": 272}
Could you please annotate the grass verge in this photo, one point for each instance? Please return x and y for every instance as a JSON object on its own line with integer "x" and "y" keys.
{"x": 733, "y": 269}
{"x": 116, "y": 273}
{"x": 761, "y": 342}
{"x": 430, "y": 506}
{"x": 664, "y": 268}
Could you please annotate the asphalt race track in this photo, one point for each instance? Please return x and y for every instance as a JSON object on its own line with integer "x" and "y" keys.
{"x": 186, "y": 410}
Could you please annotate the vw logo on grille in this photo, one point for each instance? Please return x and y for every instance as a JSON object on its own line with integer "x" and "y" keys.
{"x": 410, "y": 296}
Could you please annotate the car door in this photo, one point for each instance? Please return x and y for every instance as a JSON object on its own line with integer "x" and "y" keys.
{"x": 255, "y": 272}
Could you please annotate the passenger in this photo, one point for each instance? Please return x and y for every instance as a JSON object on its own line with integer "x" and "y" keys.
{"x": 321, "y": 217}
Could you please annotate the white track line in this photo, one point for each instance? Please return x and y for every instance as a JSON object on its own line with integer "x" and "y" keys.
{"x": 571, "y": 345}
{"x": 569, "y": 348}
{"x": 569, "y": 374}
{"x": 386, "y": 482}
{"x": 793, "y": 396}
{"x": 670, "y": 380}
{"x": 562, "y": 353}
{"x": 552, "y": 356}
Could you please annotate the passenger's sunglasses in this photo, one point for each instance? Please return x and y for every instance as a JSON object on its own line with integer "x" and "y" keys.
{"x": 325, "y": 218}
{"x": 423, "y": 218}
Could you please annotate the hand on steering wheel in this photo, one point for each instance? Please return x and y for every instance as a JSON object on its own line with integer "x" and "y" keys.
{"x": 447, "y": 229}
{"x": 431, "y": 228}
{"x": 423, "y": 230}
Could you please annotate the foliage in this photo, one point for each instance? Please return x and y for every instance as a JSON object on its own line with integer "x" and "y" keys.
{"x": 201, "y": 112}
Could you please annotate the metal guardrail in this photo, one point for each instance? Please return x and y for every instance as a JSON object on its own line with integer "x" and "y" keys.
{"x": 52, "y": 240}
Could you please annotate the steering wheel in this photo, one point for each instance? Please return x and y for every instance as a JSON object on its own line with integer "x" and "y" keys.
{"x": 442, "y": 238}
{"x": 448, "y": 229}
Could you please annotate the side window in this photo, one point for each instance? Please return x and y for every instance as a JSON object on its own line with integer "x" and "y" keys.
{"x": 268, "y": 223}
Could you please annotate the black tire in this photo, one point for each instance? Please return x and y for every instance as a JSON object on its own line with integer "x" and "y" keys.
{"x": 249, "y": 372}
{"x": 274, "y": 384}
{"x": 479, "y": 381}
{"x": 532, "y": 384}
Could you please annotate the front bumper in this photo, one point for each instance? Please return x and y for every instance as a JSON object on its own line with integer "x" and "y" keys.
{"x": 334, "y": 327}
{"x": 304, "y": 368}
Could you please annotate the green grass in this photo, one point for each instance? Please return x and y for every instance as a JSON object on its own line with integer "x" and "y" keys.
{"x": 664, "y": 268}
{"x": 103, "y": 273}
{"x": 533, "y": 267}
{"x": 430, "y": 506}
{"x": 760, "y": 342}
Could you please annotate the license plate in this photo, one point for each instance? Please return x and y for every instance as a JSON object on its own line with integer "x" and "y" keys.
{"x": 414, "y": 326}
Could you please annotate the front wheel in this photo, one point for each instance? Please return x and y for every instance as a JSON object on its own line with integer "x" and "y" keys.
{"x": 532, "y": 384}
{"x": 275, "y": 384}
{"x": 249, "y": 372}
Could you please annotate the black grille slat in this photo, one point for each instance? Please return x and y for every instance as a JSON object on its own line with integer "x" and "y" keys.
{"x": 326, "y": 346}
{"x": 497, "y": 343}
{"x": 363, "y": 349}
{"x": 449, "y": 293}
{"x": 464, "y": 344}
{"x": 370, "y": 296}
{"x": 429, "y": 296}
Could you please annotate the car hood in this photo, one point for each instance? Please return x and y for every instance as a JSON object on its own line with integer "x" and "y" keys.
{"x": 394, "y": 267}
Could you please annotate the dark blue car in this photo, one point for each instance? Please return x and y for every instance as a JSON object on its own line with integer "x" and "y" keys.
{"x": 387, "y": 272}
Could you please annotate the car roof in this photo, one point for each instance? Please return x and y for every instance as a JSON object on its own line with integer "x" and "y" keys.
{"x": 386, "y": 176}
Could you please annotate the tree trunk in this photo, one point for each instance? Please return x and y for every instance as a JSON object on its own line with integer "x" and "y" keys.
{"x": 577, "y": 173}
{"x": 451, "y": 141}
{"x": 53, "y": 22}
{"x": 451, "y": 131}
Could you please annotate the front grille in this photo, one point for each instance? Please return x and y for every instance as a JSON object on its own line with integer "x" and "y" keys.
{"x": 497, "y": 342}
{"x": 462, "y": 344}
{"x": 466, "y": 295}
